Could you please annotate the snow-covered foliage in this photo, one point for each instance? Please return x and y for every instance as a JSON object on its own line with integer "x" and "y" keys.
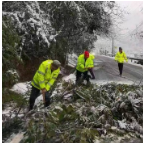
{"x": 99, "y": 112}
{"x": 107, "y": 112}
{"x": 72, "y": 60}
{"x": 69, "y": 24}
{"x": 70, "y": 78}
{"x": 32, "y": 24}
{"x": 13, "y": 75}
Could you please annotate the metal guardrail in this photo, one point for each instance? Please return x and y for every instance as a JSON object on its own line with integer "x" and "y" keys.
{"x": 133, "y": 58}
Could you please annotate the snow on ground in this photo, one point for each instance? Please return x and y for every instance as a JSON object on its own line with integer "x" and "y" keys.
{"x": 10, "y": 111}
{"x": 57, "y": 89}
{"x": 15, "y": 138}
{"x": 21, "y": 88}
{"x": 39, "y": 100}
{"x": 103, "y": 82}
{"x": 70, "y": 78}
{"x": 122, "y": 125}
{"x": 108, "y": 56}
{"x": 133, "y": 63}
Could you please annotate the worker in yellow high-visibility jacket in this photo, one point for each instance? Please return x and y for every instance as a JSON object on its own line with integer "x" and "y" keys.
{"x": 120, "y": 58}
{"x": 84, "y": 64}
{"x": 91, "y": 69}
{"x": 43, "y": 79}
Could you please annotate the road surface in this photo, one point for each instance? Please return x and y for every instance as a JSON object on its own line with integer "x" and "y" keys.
{"x": 107, "y": 71}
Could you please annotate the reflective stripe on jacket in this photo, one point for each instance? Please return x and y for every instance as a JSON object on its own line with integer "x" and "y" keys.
{"x": 43, "y": 78}
{"x": 120, "y": 57}
{"x": 81, "y": 64}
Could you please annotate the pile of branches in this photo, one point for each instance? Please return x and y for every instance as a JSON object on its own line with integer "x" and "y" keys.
{"x": 104, "y": 113}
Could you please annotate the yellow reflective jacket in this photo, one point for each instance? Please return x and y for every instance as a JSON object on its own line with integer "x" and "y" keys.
{"x": 120, "y": 57}
{"x": 44, "y": 78}
{"x": 92, "y": 56}
{"x": 81, "y": 64}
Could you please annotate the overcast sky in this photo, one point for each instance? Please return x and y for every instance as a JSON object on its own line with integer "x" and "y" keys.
{"x": 132, "y": 19}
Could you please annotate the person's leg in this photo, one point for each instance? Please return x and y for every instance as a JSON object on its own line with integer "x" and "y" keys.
{"x": 85, "y": 76}
{"x": 34, "y": 94}
{"x": 47, "y": 99}
{"x": 92, "y": 73}
{"x": 121, "y": 68}
{"x": 78, "y": 76}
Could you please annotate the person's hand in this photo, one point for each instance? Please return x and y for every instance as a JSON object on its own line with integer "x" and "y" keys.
{"x": 43, "y": 93}
{"x": 44, "y": 90}
{"x": 43, "y": 98}
{"x": 89, "y": 68}
{"x": 85, "y": 68}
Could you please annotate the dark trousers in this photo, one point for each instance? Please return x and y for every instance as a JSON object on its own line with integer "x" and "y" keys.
{"x": 120, "y": 66}
{"x": 91, "y": 72}
{"x": 83, "y": 75}
{"x": 34, "y": 94}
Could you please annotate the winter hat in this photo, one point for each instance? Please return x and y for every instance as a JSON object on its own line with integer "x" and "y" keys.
{"x": 56, "y": 63}
{"x": 86, "y": 54}
{"x": 120, "y": 48}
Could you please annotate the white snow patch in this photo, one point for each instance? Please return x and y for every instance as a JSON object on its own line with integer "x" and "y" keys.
{"x": 108, "y": 56}
{"x": 58, "y": 108}
{"x": 13, "y": 71}
{"x": 52, "y": 37}
{"x": 135, "y": 64}
{"x": 39, "y": 99}
{"x": 122, "y": 125}
{"x": 54, "y": 93}
{"x": 103, "y": 82}
{"x": 21, "y": 88}
{"x": 15, "y": 138}
{"x": 68, "y": 96}
{"x": 69, "y": 78}
{"x": 7, "y": 111}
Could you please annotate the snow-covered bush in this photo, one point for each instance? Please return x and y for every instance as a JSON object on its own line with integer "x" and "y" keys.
{"x": 12, "y": 75}
{"x": 55, "y": 29}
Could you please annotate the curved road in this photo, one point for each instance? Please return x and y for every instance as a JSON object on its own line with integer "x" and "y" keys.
{"x": 106, "y": 70}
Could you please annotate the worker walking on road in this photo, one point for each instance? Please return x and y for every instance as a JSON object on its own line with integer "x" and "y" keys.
{"x": 43, "y": 79}
{"x": 120, "y": 58}
{"x": 84, "y": 64}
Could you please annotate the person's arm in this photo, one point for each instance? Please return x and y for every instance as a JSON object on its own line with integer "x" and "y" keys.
{"x": 43, "y": 93}
{"x": 116, "y": 57}
{"x": 52, "y": 81}
{"x": 79, "y": 63}
{"x": 93, "y": 57}
{"x": 41, "y": 75}
{"x": 125, "y": 57}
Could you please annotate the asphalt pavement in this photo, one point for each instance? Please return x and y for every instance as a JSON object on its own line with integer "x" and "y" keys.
{"x": 106, "y": 70}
